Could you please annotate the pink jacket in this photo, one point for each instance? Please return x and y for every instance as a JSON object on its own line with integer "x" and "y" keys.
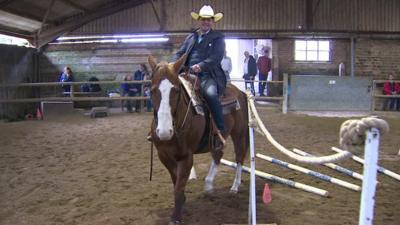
{"x": 387, "y": 90}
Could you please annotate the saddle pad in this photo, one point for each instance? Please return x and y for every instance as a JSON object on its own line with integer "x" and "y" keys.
{"x": 196, "y": 102}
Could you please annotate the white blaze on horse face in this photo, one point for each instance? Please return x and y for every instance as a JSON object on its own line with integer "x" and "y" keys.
{"x": 164, "y": 129}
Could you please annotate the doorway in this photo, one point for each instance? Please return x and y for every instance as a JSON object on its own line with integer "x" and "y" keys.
{"x": 235, "y": 49}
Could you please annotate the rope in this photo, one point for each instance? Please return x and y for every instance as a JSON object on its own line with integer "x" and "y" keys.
{"x": 303, "y": 159}
{"x": 352, "y": 132}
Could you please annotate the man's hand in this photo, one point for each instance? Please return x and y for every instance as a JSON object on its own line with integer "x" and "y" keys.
{"x": 196, "y": 68}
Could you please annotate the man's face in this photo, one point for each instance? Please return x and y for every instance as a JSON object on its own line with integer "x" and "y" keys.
{"x": 66, "y": 71}
{"x": 246, "y": 54}
{"x": 206, "y": 24}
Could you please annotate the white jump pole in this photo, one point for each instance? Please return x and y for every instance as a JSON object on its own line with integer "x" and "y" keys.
{"x": 379, "y": 168}
{"x": 252, "y": 193}
{"x": 371, "y": 152}
{"x": 280, "y": 180}
{"x": 332, "y": 165}
{"x": 309, "y": 172}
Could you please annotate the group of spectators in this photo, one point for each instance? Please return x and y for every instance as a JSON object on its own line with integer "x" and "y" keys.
{"x": 251, "y": 67}
{"x": 135, "y": 89}
{"x": 126, "y": 89}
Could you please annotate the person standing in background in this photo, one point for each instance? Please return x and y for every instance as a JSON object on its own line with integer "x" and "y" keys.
{"x": 264, "y": 66}
{"x": 391, "y": 88}
{"x": 226, "y": 65}
{"x": 249, "y": 71}
{"x": 126, "y": 91}
{"x": 139, "y": 75}
{"x": 66, "y": 76}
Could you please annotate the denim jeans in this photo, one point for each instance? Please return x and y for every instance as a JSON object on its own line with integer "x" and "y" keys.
{"x": 210, "y": 93}
{"x": 251, "y": 84}
{"x": 262, "y": 83}
{"x": 391, "y": 104}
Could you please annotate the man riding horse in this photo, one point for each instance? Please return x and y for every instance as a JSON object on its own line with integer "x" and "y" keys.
{"x": 205, "y": 49}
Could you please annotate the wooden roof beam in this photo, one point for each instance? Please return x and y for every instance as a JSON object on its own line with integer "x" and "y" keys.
{"x": 76, "y": 6}
{"x": 4, "y": 3}
{"x": 54, "y": 32}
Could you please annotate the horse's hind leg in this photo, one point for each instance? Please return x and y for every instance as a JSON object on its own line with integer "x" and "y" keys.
{"x": 240, "y": 142}
{"x": 238, "y": 179}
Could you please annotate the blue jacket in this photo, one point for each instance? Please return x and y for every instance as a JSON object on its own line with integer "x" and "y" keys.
{"x": 65, "y": 78}
{"x": 208, "y": 54}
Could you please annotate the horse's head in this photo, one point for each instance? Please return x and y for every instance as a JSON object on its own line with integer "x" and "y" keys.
{"x": 165, "y": 94}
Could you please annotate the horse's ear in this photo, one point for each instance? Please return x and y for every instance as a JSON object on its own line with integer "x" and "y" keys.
{"x": 178, "y": 64}
{"x": 152, "y": 61}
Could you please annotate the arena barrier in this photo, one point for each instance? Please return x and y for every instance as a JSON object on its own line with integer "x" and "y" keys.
{"x": 379, "y": 168}
{"x": 378, "y": 93}
{"x": 71, "y": 97}
{"x": 280, "y": 180}
{"x": 333, "y": 166}
{"x": 312, "y": 173}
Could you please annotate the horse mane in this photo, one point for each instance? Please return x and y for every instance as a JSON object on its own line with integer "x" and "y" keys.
{"x": 167, "y": 71}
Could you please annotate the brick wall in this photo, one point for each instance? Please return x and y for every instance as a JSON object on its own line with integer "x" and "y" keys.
{"x": 340, "y": 52}
{"x": 377, "y": 58}
{"x": 374, "y": 58}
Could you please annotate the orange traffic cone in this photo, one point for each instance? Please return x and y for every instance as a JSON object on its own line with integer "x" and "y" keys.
{"x": 267, "y": 198}
{"x": 39, "y": 114}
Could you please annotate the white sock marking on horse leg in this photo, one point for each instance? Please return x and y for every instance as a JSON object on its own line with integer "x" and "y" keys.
{"x": 208, "y": 186}
{"x": 238, "y": 179}
{"x": 192, "y": 175}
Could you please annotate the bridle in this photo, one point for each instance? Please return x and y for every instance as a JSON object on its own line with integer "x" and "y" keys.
{"x": 177, "y": 129}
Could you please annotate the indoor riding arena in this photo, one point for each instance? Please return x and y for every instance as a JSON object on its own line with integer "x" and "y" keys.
{"x": 83, "y": 104}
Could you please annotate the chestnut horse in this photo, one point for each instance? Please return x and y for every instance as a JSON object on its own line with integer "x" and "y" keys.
{"x": 177, "y": 130}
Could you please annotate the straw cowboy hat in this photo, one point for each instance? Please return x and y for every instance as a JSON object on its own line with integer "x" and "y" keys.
{"x": 206, "y": 12}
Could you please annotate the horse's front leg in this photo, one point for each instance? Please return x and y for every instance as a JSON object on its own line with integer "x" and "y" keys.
{"x": 212, "y": 172}
{"x": 182, "y": 175}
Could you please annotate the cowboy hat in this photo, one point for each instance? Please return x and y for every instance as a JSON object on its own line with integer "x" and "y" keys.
{"x": 206, "y": 12}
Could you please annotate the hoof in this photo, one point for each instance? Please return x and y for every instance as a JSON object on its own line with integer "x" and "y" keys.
{"x": 233, "y": 191}
{"x": 208, "y": 188}
{"x": 175, "y": 223}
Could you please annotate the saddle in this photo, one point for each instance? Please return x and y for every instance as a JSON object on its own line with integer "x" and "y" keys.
{"x": 229, "y": 104}
{"x": 191, "y": 85}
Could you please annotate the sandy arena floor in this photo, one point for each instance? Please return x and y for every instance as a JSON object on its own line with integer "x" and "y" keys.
{"x": 77, "y": 170}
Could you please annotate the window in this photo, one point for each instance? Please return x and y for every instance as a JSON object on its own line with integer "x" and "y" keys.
{"x": 10, "y": 40}
{"x": 311, "y": 50}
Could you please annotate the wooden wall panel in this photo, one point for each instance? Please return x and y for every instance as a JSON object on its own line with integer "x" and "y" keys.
{"x": 107, "y": 62}
{"x": 256, "y": 16}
